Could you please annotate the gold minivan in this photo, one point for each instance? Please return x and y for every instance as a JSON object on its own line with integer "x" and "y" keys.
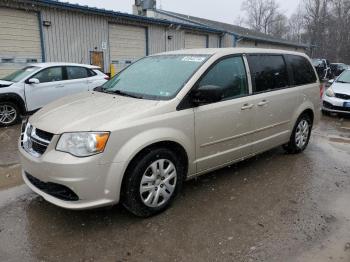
{"x": 164, "y": 119}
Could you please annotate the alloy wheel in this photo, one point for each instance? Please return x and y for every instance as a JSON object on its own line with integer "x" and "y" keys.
{"x": 8, "y": 114}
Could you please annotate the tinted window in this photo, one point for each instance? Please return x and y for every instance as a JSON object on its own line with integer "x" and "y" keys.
{"x": 76, "y": 72}
{"x": 51, "y": 74}
{"x": 302, "y": 71}
{"x": 268, "y": 72}
{"x": 230, "y": 75}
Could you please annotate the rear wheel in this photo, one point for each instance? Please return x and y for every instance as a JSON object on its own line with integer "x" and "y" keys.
{"x": 9, "y": 114}
{"x": 300, "y": 136}
{"x": 152, "y": 182}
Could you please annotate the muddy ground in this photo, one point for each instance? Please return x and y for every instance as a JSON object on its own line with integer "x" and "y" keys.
{"x": 275, "y": 207}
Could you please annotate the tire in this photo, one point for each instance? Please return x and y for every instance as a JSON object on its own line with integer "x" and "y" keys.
{"x": 9, "y": 114}
{"x": 146, "y": 173}
{"x": 300, "y": 137}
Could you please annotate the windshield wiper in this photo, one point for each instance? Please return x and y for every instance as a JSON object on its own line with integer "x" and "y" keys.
{"x": 121, "y": 93}
{"x": 343, "y": 82}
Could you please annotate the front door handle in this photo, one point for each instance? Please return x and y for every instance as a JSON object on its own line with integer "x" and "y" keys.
{"x": 263, "y": 103}
{"x": 59, "y": 86}
{"x": 247, "y": 106}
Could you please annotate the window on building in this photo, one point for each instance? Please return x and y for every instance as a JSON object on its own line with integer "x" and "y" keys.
{"x": 77, "y": 72}
{"x": 51, "y": 74}
{"x": 302, "y": 71}
{"x": 268, "y": 72}
{"x": 230, "y": 75}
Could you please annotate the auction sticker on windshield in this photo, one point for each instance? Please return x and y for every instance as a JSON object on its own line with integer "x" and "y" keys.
{"x": 197, "y": 59}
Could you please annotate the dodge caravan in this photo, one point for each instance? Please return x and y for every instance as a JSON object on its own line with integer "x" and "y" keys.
{"x": 165, "y": 119}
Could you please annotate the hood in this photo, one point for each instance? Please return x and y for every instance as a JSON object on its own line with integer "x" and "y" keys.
{"x": 341, "y": 88}
{"x": 90, "y": 111}
{"x": 4, "y": 83}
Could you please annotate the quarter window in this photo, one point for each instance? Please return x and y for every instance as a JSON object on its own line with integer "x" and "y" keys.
{"x": 230, "y": 75}
{"x": 302, "y": 71}
{"x": 76, "y": 72}
{"x": 268, "y": 72}
{"x": 52, "y": 74}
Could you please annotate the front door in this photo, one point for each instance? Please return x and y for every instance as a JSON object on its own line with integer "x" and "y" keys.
{"x": 96, "y": 58}
{"x": 49, "y": 89}
{"x": 223, "y": 129}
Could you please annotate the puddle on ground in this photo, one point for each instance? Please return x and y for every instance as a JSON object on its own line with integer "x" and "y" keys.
{"x": 336, "y": 247}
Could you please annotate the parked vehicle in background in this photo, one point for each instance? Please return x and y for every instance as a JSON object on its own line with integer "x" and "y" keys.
{"x": 337, "y": 69}
{"x": 336, "y": 99}
{"x": 322, "y": 68}
{"x": 167, "y": 118}
{"x": 31, "y": 88}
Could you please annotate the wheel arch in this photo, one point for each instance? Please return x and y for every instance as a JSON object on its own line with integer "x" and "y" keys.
{"x": 16, "y": 99}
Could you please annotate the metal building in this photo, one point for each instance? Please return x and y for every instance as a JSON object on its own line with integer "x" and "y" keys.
{"x": 48, "y": 30}
{"x": 54, "y": 31}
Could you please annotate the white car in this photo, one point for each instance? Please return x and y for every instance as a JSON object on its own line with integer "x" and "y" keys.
{"x": 29, "y": 89}
{"x": 336, "y": 99}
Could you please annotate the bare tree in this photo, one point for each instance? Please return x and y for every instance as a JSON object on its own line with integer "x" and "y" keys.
{"x": 296, "y": 26}
{"x": 261, "y": 14}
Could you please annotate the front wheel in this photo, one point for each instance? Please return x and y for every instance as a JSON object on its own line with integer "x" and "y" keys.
{"x": 300, "y": 136}
{"x": 152, "y": 182}
{"x": 9, "y": 114}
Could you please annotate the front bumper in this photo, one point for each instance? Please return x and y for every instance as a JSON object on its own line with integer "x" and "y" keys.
{"x": 335, "y": 105}
{"x": 93, "y": 182}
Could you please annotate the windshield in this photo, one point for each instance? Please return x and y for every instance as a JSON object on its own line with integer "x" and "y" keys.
{"x": 20, "y": 74}
{"x": 157, "y": 77}
{"x": 344, "y": 77}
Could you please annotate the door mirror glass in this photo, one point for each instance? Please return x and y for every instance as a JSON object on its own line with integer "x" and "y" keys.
{"x": 33, "y": 81}
{"x": 207, "y": 94}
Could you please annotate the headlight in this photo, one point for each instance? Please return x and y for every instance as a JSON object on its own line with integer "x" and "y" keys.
{"x": 83, "y": 144}
{"x": 330, "y": 92}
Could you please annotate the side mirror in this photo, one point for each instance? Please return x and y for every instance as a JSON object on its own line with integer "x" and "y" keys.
{"x": 206, "y": 95}
{"x": 331, "y": 81}
{"x": 34, "y": 81}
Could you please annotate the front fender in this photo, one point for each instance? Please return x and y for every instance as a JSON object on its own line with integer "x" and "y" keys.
{"x": 147, "y": 138}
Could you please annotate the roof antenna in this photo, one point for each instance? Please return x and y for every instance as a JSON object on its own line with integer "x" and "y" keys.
{"x": 160, "y": 5}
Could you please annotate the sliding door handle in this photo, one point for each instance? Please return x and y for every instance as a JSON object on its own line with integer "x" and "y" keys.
{"x": 263, "y": 103}
{"x": 247, "y": 106}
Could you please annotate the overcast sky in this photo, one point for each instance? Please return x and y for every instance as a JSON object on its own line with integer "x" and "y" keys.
{"x": 219, "y": 10}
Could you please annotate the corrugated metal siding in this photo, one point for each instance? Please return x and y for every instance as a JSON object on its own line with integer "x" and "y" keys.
{"x": 227, "y": 41}
{"x": 177, "y": 41}
{"x": 214, "y": 41}
{"x": 72, "y": 36}
{"x": 19, "y": 39}
{"x": 157, "y": 39}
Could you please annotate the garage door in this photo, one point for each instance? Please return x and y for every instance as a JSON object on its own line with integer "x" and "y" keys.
{"x": 127, "y": 44}
{"x": 195, "y": 41}
{"x": 19, "y": 39}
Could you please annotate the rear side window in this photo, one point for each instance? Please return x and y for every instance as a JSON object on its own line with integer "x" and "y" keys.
{"x": 76, "y": 72}
{"x": 302, "y": 71}
{"x": 229, "y": 74}
{"x": 268, "y": 72}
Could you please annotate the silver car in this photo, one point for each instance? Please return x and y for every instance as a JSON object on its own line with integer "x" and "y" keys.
{"x": 165, "y": 119}
{"x": 336, "y": 99}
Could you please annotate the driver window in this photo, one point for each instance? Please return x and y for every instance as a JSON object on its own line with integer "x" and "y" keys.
{"x": 51, "y": 74}
{"x": 230, "y": 75}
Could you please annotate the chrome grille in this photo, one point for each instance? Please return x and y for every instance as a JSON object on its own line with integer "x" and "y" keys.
{"x": 35, "y": 141}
